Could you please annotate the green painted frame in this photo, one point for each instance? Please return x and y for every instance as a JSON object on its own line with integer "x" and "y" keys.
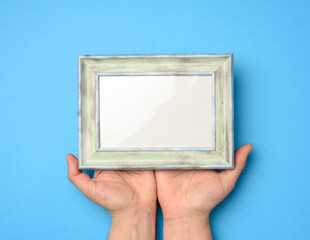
{"x": 218, "y": 64}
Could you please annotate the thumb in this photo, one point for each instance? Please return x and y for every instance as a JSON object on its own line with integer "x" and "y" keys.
{"x": 241, "y": 154}
{"x": 78, "y": 178}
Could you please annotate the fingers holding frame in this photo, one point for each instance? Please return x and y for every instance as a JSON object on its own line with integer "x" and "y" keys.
{"x": 230, "y": 176}
{"x": 78, "y": 178}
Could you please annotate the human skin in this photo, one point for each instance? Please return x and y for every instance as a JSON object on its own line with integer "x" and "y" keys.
{"x": 185, "y": 196}
{"x": 129, "y": 196}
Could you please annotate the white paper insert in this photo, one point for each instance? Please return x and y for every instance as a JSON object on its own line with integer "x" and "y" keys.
{"x": 156, "y": 112}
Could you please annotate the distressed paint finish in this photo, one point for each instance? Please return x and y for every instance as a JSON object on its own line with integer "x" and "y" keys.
{"x": 91, "y": 158}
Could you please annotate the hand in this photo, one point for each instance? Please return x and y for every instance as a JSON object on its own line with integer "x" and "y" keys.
{"x": 129, "y": 196}
{"x": 188, "y": 196}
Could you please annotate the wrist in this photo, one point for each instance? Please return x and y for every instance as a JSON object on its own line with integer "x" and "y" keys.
{"x": 188, "y": 227}
{"x": 133, "y": 225}
{"x": 182, "y": 215}
{"x": 132, "y": 216}
{"x": 136, "y": 211}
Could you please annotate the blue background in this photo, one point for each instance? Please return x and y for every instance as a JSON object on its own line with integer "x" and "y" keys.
{"x": 39, "y": 44}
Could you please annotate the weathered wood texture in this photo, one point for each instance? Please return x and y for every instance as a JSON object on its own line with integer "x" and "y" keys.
{"x": 218, "y": 64}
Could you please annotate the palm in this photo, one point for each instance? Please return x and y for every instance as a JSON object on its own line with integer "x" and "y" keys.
{"x": 189, "y": 192}
{"x": 116, "y": 191}
{"x": 196, "y": 192}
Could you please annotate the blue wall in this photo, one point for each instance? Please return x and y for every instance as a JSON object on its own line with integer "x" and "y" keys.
{"x": 39, "y": 44}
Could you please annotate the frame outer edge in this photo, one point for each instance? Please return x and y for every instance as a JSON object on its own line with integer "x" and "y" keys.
{"x": 175, "y": 55}
{"x": 79, "y": 115}
{"x": 232, "y": 160}
{"x": 231, "y": 109}
{"x": 155, "y": 167}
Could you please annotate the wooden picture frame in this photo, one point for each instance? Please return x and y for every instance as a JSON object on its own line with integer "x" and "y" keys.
{"x": 217, "y": 69}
